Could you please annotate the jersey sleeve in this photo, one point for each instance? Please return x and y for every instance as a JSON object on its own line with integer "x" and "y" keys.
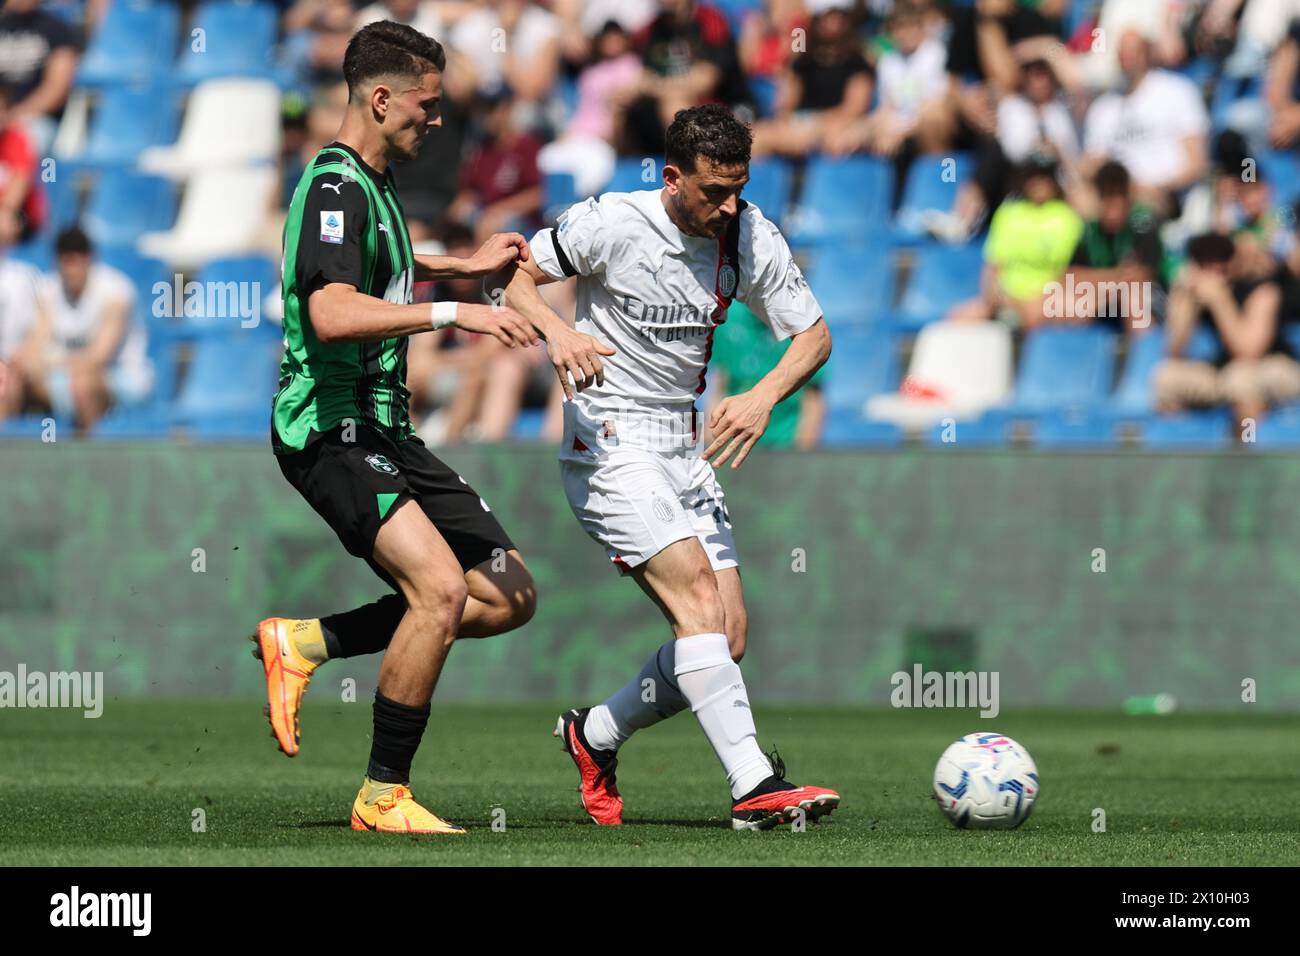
{"x": 331, "y": 236}
{"x": 579, "y": 245}
{"x": 777, "y": 291}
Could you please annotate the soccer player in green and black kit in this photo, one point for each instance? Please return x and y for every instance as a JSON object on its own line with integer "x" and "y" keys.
{"x": 343, "y": 437}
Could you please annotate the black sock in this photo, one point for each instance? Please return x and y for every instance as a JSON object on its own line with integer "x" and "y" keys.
{"x": 363, "y": 630}
{"x": 398, "y": 729}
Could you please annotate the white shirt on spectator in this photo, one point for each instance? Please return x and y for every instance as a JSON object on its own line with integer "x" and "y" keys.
{"x": 1024, "y": 128}
{"x": 74, "y": 325}
{"x": 481, "y": 38}
{"x": 427, "y": 19}
{"x": 631, "y": 15}
{"x": 18, "y": 285}
{"x": 908, "y": 82}
{"x": 1144, "y": 129}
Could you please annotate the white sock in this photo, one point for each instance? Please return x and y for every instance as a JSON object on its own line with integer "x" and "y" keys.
{"x": 629, "y": 710}
{"x": 710, "y": 680}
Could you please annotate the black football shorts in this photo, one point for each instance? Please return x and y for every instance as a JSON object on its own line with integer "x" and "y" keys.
{"x": 355, "y": 485}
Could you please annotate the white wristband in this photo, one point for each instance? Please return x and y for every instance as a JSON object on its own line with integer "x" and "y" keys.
{"x": 444, "y": 314}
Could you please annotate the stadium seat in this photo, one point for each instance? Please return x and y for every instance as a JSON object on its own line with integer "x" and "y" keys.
{"x": 864, "y": 362}
{"x": 528, "y": 424}
{"x": 251, "y": 426}
{"x": 1074, "y": 429}
{"x": 931, "y": 186}
{"x": 990, "y": 430}
{"x": 230, "y": 377}
{"x": 559, "y": 192}
{"x": 127, "y": 121}
{"x": 216, "y": 107}
{"x": 1065, "y": 367}
{"x": 630, "y": 175}
{"x": 844, "y": 429}
{"x": 1135, "y": 395}
{"x": 225, "y": 275}
{"x": 124, "y": 204}
{"x": 853, "y": 283}
{"x": 842, "y": 199}
{"x": 37, "y": 252}
{"x": 1188, "y": 430}
{"x": 238, "y": 39}
{"x": 221, "y": 215}
{"x": 769, "y": 187}
{"x": 941, "y": 277}
{"x": 1280, "y": 168}
{"x": 737, "y": 11}
{"x": 1280, "y": 429}
{"x": 135, "y": 42}
{"x": 958, "y": 370}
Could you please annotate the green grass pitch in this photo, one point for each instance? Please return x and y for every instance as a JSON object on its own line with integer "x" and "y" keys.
{"x": 121, "y": 790}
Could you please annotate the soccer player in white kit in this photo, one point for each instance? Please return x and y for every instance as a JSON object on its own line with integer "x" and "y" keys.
{"x": 656, "y": 271}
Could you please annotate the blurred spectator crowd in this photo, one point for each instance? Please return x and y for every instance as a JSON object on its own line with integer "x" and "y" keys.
{"x": 1061, "y": 222}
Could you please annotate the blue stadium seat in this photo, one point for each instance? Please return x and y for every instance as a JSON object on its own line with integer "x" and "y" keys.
{"x": 1074, "y": 430}
{"x": 64, "y": 203}
{"x": 528, "y": 424}
{"x": 1280, "y": 168}
{"x": 146, "y": 274}
{"x": 844, "y": 429}
{"x": 247, "y": 426}
{"x": 558, "y": 193}
{"x": 238, "y": 39}
{"x": 231, "y": 377}
{"x": 1280, "y": 429}
{"x": 941, "y": 277}
{"x": 769, "y": 187}
{"x": 736, "y": 11}
{"x": 37, "y": 252}
{"x": 932, "y": 184}
{"x": 128, "y": 120}
{"x": 1065, "y": 367}
{"x": 629, "y": 173}
{"x": 1228, "y": 91}
{"x": 864, "y": 362}
{"x": 126, "y": 204}
{"x": 135, "y": 42}
{"x": 990, "y": 430}
{"x": 223, "y": 283}
{"x": 32, "y": 427}
{"x": 1188, "y": 430}
{"x": 853, "y": 283}
{"x": 843, "y": 200}
{"x": 1135, "y": 395}
{"x": 133, "y": 423}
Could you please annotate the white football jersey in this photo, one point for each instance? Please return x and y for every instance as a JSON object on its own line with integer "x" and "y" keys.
{"x": 655, "y": 295}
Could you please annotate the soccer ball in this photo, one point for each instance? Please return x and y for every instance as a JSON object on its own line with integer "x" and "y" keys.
{"x": 986, "y": 782}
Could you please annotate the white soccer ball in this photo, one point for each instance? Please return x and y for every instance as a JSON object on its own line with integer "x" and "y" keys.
{"x": 986, "y": 782}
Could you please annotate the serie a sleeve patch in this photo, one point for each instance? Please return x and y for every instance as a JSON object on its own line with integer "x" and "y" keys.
{"x": 331, "y": 226}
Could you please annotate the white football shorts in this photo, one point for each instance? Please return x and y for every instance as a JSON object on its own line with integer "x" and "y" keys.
{"x": 636, "y": 501}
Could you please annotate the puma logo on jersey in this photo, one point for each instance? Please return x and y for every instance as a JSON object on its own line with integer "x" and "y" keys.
{"x": 337, "y": 187}
{"x": 382, "y": 227}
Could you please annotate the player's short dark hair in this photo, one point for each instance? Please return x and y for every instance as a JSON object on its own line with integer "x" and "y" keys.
{"x": 386, "y": 48}
{"x": 1211, "y": 248}
{"x": 1112, "y": 179}
{"x": 72, "y": 241}
{"x": 710, "y": 131}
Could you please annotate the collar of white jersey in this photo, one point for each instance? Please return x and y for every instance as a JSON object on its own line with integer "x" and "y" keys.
{"x": 674, "y": 237}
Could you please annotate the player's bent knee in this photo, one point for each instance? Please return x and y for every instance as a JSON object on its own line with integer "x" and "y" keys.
{"x": 737, "y": 637}
{"x": 706, "y": 601}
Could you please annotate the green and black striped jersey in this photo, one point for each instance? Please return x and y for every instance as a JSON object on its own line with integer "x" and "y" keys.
{"x": 345, "y": 225}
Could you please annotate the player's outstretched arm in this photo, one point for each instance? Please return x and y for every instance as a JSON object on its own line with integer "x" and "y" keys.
{"x": 339, "y": 313}
{"x": 572, "y": 353}
{"x": 496, "y": 253}
{"x": 740, "y": 420}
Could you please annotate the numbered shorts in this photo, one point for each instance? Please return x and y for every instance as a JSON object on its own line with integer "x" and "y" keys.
{"x": 355, "y": 485}
{"x": 635, "y": 503}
